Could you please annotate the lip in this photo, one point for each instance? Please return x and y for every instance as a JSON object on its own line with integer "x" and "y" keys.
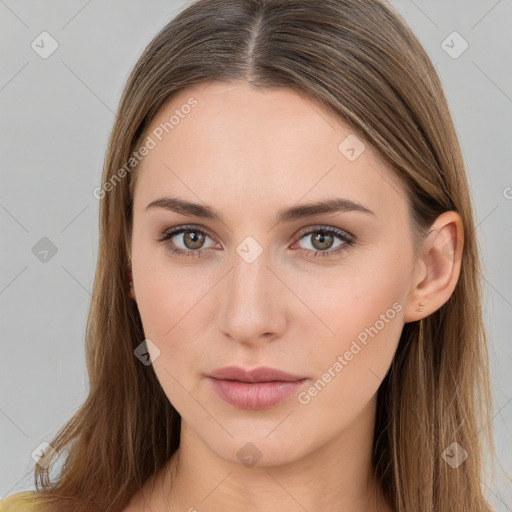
{"x": 260, "y": 374}
{"x": 259, "y": 388}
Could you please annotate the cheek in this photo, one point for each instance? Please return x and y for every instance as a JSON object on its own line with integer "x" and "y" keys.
{"x": 351, "y": 366}
{"x": 359, "y": 314}
{"x": 167, "y": 293}
{"x": 169, "y": 303}
{"x": 346, "y": 300}
{"x": 173, "y": 307}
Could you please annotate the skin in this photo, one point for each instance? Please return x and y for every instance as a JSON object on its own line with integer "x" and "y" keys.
{"x": 249, "y": 153}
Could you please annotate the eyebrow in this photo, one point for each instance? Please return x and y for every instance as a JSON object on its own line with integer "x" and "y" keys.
{"x": 290, "y": 214}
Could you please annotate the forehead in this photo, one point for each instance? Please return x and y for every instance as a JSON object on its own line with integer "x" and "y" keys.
{"x": 259, "y": 145}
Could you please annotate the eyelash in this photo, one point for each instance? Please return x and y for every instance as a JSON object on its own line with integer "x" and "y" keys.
{"x": 348, "y": 240}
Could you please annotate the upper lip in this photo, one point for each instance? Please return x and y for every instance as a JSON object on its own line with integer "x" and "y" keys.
{"x": 260, "y": 374}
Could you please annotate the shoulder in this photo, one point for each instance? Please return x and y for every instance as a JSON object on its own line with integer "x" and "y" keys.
{"x": 26, "y": 501}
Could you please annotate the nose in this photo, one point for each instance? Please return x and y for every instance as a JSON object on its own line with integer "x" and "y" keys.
{"x": 253, "y": 302}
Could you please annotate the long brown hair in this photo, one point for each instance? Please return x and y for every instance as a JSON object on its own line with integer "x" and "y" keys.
{"x": 359, "y": 60}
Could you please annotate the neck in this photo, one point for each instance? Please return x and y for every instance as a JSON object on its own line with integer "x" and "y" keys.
{"x": 337, "y": 475}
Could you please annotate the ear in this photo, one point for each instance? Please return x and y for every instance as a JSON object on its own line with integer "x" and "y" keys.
{"x": 439, "y": 268}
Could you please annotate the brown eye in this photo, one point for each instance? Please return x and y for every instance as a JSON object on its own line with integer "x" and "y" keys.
{"x": 193, "y": 240}
{"x": 323, "y": 239}
{"x": 186, "y": 241}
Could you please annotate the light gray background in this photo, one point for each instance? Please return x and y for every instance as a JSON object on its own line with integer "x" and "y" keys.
{"x": 56, "y": 117}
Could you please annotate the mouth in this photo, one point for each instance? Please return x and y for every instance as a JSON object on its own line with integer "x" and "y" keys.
{"x": 260, "y": 388}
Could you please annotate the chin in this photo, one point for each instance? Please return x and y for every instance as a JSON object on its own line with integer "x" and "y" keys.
{"x": 259, "y": 450}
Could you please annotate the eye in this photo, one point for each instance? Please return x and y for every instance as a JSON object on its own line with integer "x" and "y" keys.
{"x": 324, "y": 238}
{"x": 188, "y": 241}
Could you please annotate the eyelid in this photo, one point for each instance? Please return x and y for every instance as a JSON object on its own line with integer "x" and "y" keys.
{"x": 177, "y": 230}
{"x": 300, "y": 233}
{"x": 347, "y": 238}
{"x": 324, "y": 227}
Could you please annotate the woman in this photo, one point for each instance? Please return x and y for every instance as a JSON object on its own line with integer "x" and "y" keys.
{"x": 286, "y": 312}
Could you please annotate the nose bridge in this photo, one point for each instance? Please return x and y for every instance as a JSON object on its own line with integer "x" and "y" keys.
{"x": 250, "y": 278}
{"x": 250, "y": 306}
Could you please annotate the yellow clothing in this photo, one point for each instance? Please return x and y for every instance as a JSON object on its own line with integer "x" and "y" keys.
{"x": 25, "y": 501}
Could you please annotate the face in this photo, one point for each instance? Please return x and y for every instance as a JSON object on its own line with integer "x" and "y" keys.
{"x": 316, "y": 293}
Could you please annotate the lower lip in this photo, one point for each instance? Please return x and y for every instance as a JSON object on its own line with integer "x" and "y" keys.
{"x": 255, "y": 395}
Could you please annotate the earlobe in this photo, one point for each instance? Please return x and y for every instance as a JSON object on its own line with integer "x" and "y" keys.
{"x": 441, "y": 263}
